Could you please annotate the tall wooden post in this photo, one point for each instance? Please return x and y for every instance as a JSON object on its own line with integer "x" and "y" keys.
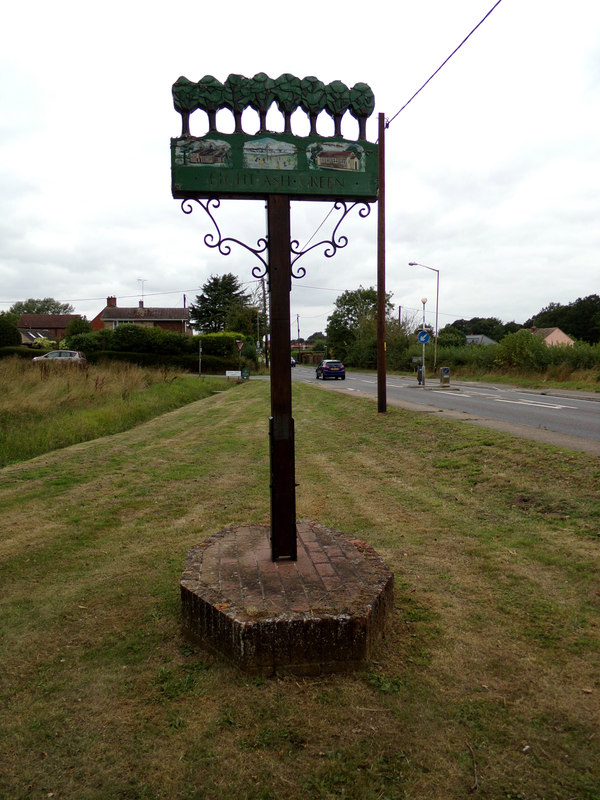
{"x": 381, "y": 365}
{"x": 281, "y": 423}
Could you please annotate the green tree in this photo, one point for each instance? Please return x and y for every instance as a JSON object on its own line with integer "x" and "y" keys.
{"x": 491, "y": 327}
{"x": 9, "y": 335}
{"x": 14, "y": 318}
{"x": 450, "y": 336}
{"x": 220, "y": 295}
{"x": 247, "y": 320}
{"x": 46, "y": 306}
{"x": 352, "y": 327}
{"x": 580, "y": 319}
{"x": 398, "y": 339}
{"x": 78, "y": 325}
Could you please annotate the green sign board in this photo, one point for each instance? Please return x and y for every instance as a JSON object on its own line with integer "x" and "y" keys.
{"x": 236, "y": 165}
{"x": 239, "y": 165}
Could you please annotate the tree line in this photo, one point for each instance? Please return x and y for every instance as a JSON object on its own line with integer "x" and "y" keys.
{"x": 352, "y": 336}
{"x": 224, "y": 307}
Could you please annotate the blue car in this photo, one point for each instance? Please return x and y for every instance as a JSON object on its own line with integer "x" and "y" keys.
{"x": 330, "y": 368}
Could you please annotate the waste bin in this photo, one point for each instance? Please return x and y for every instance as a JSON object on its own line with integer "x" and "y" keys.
{"x": 445, "y": 376}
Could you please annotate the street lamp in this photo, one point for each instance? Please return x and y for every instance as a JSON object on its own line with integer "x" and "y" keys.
{"x": 423, "y": 300}
{"x": 437, "y": 299}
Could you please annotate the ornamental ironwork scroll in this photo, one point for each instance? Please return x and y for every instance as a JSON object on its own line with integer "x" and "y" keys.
{"x": 241, "y": 165}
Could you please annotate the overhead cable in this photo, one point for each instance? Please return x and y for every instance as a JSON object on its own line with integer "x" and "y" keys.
{"x": 387, "y": 125}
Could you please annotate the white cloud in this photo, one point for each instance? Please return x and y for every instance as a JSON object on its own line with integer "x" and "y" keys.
{"x": 492, "y": 171}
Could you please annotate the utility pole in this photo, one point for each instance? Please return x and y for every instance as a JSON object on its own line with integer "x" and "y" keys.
{"x": 381, "y": 367}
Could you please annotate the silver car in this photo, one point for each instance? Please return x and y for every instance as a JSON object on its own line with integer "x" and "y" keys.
{"x": 63, "y": 357}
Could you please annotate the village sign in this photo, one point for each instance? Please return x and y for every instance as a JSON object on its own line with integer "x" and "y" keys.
{"x": 276, "y": 167}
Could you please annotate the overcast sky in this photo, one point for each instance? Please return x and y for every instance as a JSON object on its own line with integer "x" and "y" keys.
{"x": 492, "y": 174}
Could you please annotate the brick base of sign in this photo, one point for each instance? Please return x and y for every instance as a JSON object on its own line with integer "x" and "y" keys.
{"x": 323, "y": 613}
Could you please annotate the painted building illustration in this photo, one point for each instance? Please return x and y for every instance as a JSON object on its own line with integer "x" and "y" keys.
{"x": 204, "y": 152}
{"x": 336, "y": 156}
{"x": 333, "y": 159}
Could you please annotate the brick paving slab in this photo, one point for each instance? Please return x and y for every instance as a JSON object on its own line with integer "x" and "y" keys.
{"x": 321, "y": 613}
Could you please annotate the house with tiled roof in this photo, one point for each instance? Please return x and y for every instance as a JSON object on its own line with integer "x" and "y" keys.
{"x": 47, "y": 326}
{"x": 479, "y": 338}
{"x": 176, "y": 320}
{"x": 553, "y": 337}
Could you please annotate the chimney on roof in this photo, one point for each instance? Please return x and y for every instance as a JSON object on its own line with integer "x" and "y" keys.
{"x": 141, "y": 304}
{"x": 534, "y": 329}
{"x": 111, "y": 302}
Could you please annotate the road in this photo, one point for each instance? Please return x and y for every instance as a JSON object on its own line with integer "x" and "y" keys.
{"x": 567, "y": 419}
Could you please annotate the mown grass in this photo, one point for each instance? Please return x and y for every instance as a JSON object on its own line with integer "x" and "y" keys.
{"x": 489, "y": 671}
{"x": 44, "y": 407}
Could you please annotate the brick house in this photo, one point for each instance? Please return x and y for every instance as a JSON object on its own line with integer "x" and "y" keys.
{"x": 176, "y": 320}
{"x": 48, "y": 326}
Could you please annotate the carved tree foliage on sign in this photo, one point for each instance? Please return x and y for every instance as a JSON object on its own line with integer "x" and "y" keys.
{"x": 260, "y": 92}
{"x": 288, "y": 95}
{"x": 238, "y": 92}
{"x": 362, "y": 104}
{"x": 313, "y": 99}
{"x": 337, "y": 103}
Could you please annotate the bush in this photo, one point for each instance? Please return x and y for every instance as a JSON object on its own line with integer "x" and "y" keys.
{"x": 362, "y": 353}
{"x": 44, "y": 344}
{"x": 9, "y": 334}
{"x": 22, "y": 351}
{"x": 78, "y": 325}
{"x": 90, "y": 342}
{"x": 523, "y": 350}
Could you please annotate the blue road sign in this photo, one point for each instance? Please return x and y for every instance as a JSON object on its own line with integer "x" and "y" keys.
{"x": 423, "y": 337}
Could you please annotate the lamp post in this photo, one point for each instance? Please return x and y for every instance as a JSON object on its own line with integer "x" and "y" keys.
{"x": 423, "y": 300}
{"x": 437, "y": 299}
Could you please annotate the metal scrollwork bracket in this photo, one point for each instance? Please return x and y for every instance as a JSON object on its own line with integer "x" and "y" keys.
{"x": 337, "y": 241}
{"x": 217, "y": 241}
{"x": 223, "y": 244}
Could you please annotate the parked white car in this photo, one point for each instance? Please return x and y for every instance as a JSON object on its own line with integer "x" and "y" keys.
{"x": 63, "y": 357}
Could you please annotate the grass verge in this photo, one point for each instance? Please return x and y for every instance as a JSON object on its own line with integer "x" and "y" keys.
{"x": 44, "y": 407}
{"x": 489, "y": 671}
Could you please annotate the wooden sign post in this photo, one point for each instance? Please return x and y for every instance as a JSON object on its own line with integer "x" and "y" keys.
{"x": 275, "y": 167}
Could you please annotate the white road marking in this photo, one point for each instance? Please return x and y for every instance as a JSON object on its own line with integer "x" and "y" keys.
{"x": 496, "y": 399}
